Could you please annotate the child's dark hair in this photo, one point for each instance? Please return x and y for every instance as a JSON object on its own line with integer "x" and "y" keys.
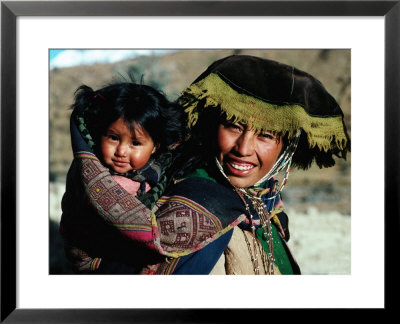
{"x": 163, "y": 120}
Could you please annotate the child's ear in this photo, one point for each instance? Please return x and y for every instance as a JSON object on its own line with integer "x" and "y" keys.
{"x": 155, "y": 148}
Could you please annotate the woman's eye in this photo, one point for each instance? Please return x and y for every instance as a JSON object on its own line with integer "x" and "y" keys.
{"x": 235, "y": 127}
{"x": 267, "y": 135}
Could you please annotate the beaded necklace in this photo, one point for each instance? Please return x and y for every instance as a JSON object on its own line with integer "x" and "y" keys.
{"x": 261, "y": 210}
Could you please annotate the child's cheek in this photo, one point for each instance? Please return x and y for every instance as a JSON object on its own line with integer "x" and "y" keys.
{"x": 106, "y": 151}
{"x": 140, "y": 158}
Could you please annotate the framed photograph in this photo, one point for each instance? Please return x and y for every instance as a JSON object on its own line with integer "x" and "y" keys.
{"x": 32, "y": 291}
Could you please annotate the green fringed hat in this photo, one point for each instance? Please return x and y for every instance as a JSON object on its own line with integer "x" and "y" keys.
{"x": 267, "y": 95}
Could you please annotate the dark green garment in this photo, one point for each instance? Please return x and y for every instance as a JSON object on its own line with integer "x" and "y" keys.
{"x": 201, "y": 173}
{"x": 281, "y": 257}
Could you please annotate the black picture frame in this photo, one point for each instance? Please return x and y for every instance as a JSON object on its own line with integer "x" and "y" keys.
{"x": 10, "y": 10}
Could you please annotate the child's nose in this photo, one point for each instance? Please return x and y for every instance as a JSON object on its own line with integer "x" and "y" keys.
{"x": 122, "y": 150}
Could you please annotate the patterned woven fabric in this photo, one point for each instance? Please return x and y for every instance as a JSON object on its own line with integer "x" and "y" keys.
{"x": 182, "y": 225}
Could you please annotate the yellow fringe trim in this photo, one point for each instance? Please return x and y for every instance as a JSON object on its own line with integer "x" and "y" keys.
{"x": 321, "y": 131}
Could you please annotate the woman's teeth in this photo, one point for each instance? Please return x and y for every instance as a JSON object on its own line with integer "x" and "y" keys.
{"x": 241, "y": 167}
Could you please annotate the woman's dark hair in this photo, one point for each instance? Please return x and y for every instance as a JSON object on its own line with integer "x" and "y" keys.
{"x": 200, "y": 149}
{"x": 163, "y": 120}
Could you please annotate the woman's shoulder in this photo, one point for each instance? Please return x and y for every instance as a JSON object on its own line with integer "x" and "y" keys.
{"x": 200, "y": 186}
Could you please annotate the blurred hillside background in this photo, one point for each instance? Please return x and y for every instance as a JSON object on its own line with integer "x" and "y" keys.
{"x": 317, "y": 200}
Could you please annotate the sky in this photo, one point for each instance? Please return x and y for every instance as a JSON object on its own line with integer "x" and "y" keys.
{"x": 61, "y": 58}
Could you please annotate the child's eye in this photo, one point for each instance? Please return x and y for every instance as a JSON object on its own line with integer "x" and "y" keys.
{"x": 136, "y": 143}
{"x": 112, "y": 137}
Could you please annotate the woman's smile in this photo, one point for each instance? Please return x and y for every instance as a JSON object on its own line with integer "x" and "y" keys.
{"x": 238, "y": 167}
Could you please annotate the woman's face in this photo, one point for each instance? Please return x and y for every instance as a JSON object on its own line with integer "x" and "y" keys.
{"x": 246, "y": 156}
{"x": 124, "y": 150}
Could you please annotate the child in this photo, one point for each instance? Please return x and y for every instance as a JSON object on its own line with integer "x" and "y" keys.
{"x": 131, "y": 128}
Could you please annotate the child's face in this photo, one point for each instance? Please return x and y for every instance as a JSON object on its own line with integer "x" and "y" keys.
{"x": 123, "y": 150}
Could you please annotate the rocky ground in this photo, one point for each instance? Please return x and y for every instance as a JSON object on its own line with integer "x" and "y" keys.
{"x": 321, "y": 241}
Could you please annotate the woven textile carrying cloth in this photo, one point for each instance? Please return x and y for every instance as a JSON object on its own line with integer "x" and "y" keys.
{"x": 102, "y": 219}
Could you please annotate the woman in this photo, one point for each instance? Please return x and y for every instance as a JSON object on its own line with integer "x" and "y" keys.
{"x": 249, "y": 119}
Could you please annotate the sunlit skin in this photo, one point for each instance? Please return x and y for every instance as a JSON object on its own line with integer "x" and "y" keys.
{"x": 124, "y": 150}
{"x": 245, "y": 155}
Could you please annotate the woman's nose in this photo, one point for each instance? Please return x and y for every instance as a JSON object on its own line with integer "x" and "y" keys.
{"x": 245, "y": 144}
